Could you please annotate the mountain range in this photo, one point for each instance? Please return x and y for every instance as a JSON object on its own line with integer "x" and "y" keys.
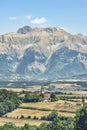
{"x": 42, "y": 53}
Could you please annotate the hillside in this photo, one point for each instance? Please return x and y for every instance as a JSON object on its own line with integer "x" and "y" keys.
{"x": 42, "y": 53}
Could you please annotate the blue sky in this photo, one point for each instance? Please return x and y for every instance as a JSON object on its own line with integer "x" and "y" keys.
{"x": 68, "y": 14}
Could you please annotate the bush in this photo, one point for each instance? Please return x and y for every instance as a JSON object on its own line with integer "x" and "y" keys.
{"x": 29, "y": 117}
{"x": 33, "y": 98}
{"x": 22, "y": 117}
{"x": 43, "y": 118}
{"x": 53, "y": 97}
{"x": 35, "y": 118}
{"x": 52, "y": 116}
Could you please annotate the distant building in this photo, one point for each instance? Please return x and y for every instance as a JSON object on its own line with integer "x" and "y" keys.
{"x": 46, "y": 97}
{"x": 42, "y": 91}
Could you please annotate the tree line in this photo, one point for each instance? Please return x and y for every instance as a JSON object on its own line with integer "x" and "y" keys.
{"x": 8, "y": 101}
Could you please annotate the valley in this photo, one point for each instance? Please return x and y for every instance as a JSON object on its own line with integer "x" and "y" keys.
{"x": 69, "y": 96}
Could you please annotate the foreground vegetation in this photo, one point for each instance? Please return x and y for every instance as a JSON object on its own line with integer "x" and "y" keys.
{"x": 56, "y": 123}
{"x": 8, "y": 101}
{"x": 45, "y": 114}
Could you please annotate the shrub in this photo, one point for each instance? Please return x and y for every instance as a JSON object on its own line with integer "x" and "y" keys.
{"x": 29, "y": 117}
{"x": 22, "y": 117}
{"x": 43, "y": 118}
{"x": 35, "y": 118}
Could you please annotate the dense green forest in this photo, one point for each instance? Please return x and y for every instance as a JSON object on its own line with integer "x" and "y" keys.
{"x": 8, "y": 101}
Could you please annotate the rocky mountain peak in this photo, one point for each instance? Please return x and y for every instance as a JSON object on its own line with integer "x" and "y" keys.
{"x": 24, "y": 30}
{"x": 48, "y": 53}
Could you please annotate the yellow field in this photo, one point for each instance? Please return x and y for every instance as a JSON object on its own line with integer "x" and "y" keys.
{"x": 26, "y": 112}
{"x": 20, "y": 122}
{"x": 32, "y": 89}
{"x": 58, "y": 105}
{"x": 63, "y": 85}
{"x": 14, "y": 89}
{"x": 66, "y": 114}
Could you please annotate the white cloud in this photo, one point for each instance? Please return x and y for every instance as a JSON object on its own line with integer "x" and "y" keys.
{"x": 12, "y": 18}
{"x": 39, "y": 20}
{"x": 28, "y": 17}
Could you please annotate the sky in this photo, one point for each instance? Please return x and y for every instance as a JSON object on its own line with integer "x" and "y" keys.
{"x": 70, "y": 15}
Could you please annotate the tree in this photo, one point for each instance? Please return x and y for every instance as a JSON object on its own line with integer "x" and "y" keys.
{"x": 52, "y": 116}
{"x": 33, "y": 98}
{"x": 10, "y": 104}
{"x": 9, "y": 101}
{"x": 29, "y": 117}
{"x": 1, "y": 110}
{"x": 26, "y": 127}
{"x": 56, "y": 124}
{"x": 22, "y": 117}
{"x": 43, "y": 126}
{"x": 53, "y": 97}
{"x": 81, "y": 119}
{"x": 9, "y": 126}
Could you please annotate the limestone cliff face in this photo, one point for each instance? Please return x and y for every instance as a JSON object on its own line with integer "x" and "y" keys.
{"x": 24, "y": 30}
{"x": 43, "y": 53}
